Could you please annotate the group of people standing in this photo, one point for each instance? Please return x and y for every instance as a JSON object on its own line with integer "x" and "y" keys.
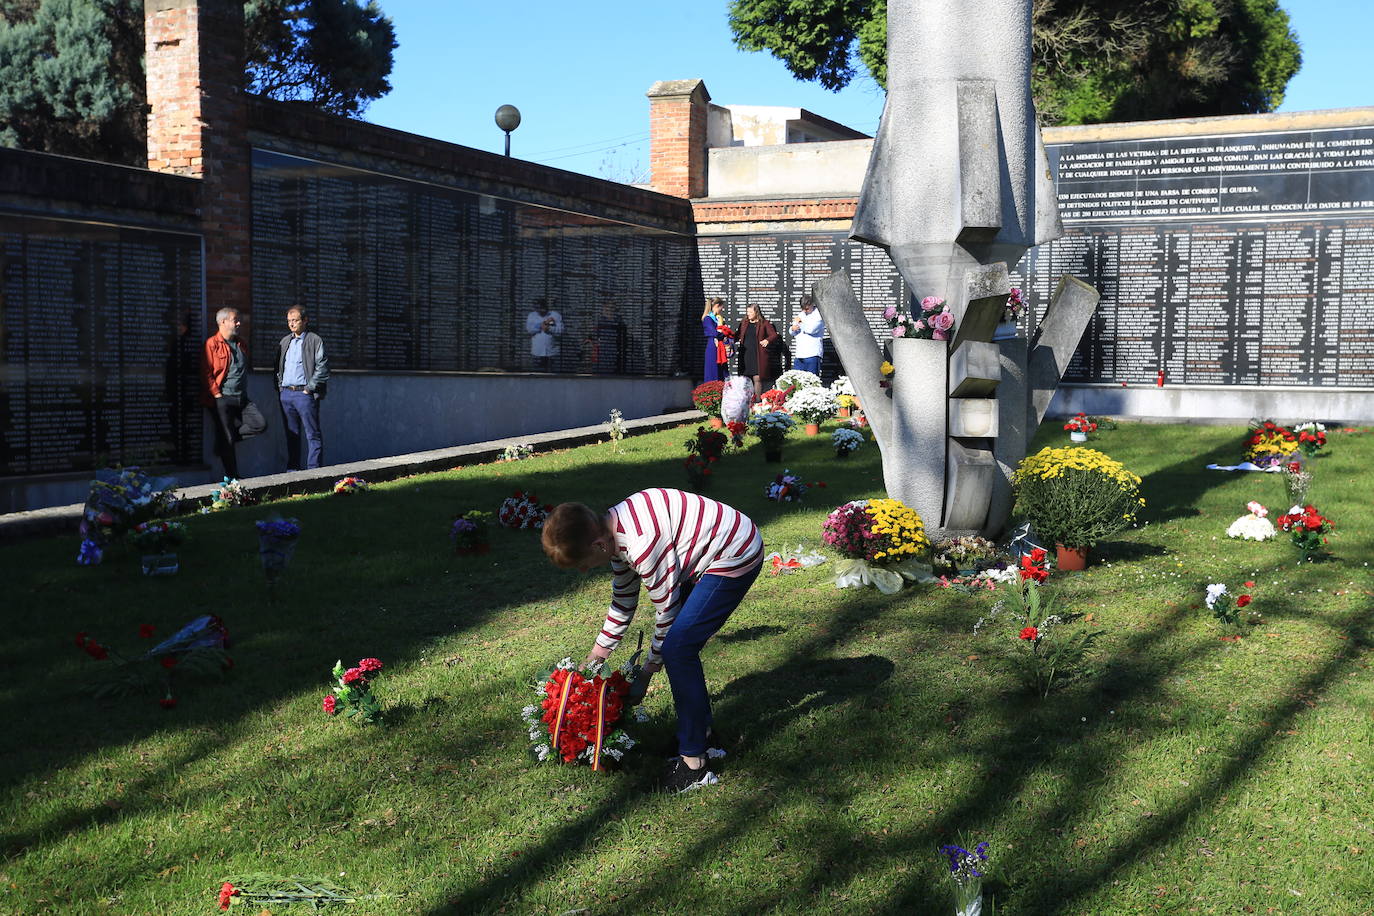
{"x": 758, "y": 349}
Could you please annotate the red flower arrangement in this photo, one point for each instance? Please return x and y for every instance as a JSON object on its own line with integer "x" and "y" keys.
{"x": 196, "y": 650}
{"x": 1308, "y": 528}
{"x": 353, "y": 691}
{"x": 1080, "y": 424}
{"x": 576, "y": 717}
{"x": 1030, "y": 633}
{"x": 523, "y": 510}
{"x": 775, "y": 399}
{"x": 703, "y": 450}
{"x": 737, "y": 431}
{"x": 707, "y": 397}
{"x": 1033, "y": 566}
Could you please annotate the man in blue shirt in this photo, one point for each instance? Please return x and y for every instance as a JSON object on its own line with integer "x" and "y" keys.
{"x": 809, "y": 330}
{"x": 302, "y": 373}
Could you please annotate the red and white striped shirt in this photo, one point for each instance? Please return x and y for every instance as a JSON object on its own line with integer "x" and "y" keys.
{"x": 665, "y": 538}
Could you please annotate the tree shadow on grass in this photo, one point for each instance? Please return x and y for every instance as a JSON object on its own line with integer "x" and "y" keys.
{"x": 749, "y": 634}
{"x": 1174, "y": 492}
{"x": 1126, "y": 551}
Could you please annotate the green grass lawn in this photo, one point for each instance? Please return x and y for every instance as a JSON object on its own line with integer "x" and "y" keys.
{"x": 1186, "y": 775}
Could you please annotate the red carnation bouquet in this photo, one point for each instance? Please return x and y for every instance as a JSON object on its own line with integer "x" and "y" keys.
{"x": 523, "y": 510}
{"x": 579, "y": 714}
{"x": 352, "y": 693}
{"x": 1308, "y": 528}
{"x": 1080, "y": 424}
{"x": 196, "y": 650}
{"x": 703, "y": 450}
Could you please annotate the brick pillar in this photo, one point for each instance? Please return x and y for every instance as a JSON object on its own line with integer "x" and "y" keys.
{"x": 197, "y": 126}
{"x": 677, "y": 137}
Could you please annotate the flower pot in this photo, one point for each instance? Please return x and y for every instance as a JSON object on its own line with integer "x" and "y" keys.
{"x": 973, "y": 908}
{"x": 772, "y": 455}
{"x": 1005, "y": 330}
{"x": 844, "y": 413}
{"x": 813, "y": 429}
{"x": 1070, "y": 559}
{"x": 841, "y": 453}
{"x": 717, "y": 423}
{"x": 1076, "y": 436}
{"x": 160, "y": 564}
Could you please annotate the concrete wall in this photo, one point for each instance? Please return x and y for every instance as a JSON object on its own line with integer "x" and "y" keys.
{"x": 1215, "y": 403}
{"x": 380, "y": 414}
{"x": 790, "y": 170}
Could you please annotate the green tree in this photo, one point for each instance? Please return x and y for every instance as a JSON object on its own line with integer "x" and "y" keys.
{"x": 71, "y": 71}
{"x": 1094, "y": 60}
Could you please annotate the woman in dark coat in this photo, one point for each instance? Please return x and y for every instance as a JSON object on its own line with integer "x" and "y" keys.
{"x": 759, "y": 348}
{"x": 712, "y": 319}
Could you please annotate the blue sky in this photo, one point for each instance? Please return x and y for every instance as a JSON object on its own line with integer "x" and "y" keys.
{"x": 578, "y": 73}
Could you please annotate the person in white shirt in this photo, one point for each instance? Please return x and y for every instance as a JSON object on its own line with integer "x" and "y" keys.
{"x": 809, "y": 330}
{"x": 544, "y": 327}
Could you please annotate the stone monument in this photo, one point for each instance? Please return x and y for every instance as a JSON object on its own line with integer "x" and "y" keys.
{"x": 958, "y": 188}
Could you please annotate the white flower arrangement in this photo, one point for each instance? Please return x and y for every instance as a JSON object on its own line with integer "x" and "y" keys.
{"x": 773, "y": 422}
{"x": 846, "y": 440}
{"x": 842, "y": 385}
{"x": 1252, "y": 527}
{"x": 1309, "y": 427}
{"x": 517, "y": 452}
{"x": 812, "y": 404}
{"x": 796, "y": 378}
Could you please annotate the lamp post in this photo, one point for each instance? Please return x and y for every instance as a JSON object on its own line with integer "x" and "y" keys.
{"x": 508, "y": 119}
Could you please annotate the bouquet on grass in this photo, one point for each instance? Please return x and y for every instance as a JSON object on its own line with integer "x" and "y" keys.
{"x": 230, "y": 493}
{"x": 277, "y": 539}
{"x": 351, "y": 485}
{"x": 962, "y": 554}
{"x": 470, "y": 533}
{"x": 196, "y": 650}
{"x": 517, "y": 452}
{"x": 1253, "y": 526}
{"x": 936, "y": 321}
{"x": 1311, "y": 438}
{"x": 158, "y": 536}
{"x": 1080, "y": 424}
{"x": 737, "y": 429}
{"x": 523, "y": 510}
{"x": 1269, "y": 444}
{"x": 1229, "y": 609}
{"x": 259, "y": 891}
{"x": 578, "y": 715}
{"x": 1308, "y": 528}
{"x": 846, "y": 439}
{"x": 707, "y": 398}
{"x": 352, "y": 691}
{"x": 771, "y": 428}
{"x": 1048, "y": 651}
{"x": 116, "y": 502}
{"x": 703, "y": 451}
{"x": 882, "y": 541}
{"x": 787, "y": 488}
{"x": 812, "y": 404}
{"x": 774, "y": 399}
{"x": 967, "y": 870}
{"x": 1297, "y": 481}
{"x": 800, "y": 558}
{"x": 1076, "y": 496}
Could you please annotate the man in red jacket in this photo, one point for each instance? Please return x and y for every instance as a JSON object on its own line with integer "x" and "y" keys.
{"x": 225, "y": 369}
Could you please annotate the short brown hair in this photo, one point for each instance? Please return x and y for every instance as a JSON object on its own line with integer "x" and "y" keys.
{"x": 568, "y": 533}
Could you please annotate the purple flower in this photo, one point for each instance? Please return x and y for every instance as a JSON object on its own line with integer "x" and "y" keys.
{"x": 932, "y": 303}
{"x": 890, "y": 312}
{"x": 899, "y": 331}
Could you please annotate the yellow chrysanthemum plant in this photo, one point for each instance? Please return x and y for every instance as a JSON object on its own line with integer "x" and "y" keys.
{"x": 1076, "y": 496}
{"x": 883, "y": 541}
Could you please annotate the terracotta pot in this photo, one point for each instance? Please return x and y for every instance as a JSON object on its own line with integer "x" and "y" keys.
{"x": 772, "y": 456}
{"x": 844, "y": 413}
{"x": 717, "y": 423}
{"x": 1070, "y": 559}
{"x": 813, "y": 429}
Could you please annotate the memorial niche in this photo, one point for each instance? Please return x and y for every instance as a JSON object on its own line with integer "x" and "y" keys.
{"x": 99, "y": 342}
{"x": 1240, "y": 260}
{"x": 404, "y": 275}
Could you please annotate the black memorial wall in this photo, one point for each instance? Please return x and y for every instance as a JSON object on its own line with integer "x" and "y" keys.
{"x": 401, "y": 275}
{"x": 1235, "y": 260}
{"x": 100, "y": 330}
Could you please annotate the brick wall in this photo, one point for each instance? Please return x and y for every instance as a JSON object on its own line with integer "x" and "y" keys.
{"x": 677, "y": 137}
{"x": 197, "y": 126}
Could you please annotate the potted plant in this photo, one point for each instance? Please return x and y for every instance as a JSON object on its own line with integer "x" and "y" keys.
{"x": 811, "y": 406}
{"x": 845, "y": 396}
{"x": 1079, "y": 427}
{"x": 1075, "y": 497}
{"x": 707, "y": 397}
{"x": 772, "y": 429}
{"x": 846, "y": 439}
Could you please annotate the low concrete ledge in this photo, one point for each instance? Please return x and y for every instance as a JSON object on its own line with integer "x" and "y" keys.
{"x": 64, "y": 519}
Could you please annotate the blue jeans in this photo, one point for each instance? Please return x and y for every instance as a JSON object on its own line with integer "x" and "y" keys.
{"x": 810, "y": 364}
{"x": 705, "y": 608}
{"x": 301, "y": 412}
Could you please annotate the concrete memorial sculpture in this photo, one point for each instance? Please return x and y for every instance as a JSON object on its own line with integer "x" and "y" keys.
{"x": 958, "y": 188}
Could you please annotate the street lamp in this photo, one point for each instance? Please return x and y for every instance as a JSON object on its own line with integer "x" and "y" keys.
{"x": 508, "y": 119}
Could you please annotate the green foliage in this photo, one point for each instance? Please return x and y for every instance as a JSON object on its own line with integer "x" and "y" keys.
{"x": 1094, "y": 60}
{"x": 1048, "y": 652}
{"x": 72, "y": 82}
{"x": 333, "y": 54}
{"x": 1076, "y": 508}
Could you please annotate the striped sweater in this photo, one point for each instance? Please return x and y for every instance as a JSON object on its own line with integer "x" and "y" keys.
{"x": 665, "y": 539}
